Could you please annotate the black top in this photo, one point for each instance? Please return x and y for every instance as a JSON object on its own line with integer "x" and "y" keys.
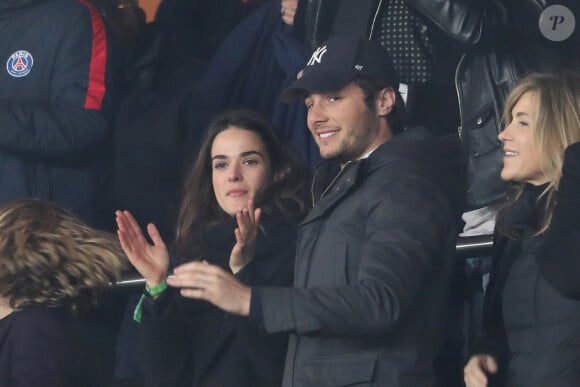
{"x": 47, "y": 347}
{"x": 531, "y": 329}
{"x": 559, "y": 258}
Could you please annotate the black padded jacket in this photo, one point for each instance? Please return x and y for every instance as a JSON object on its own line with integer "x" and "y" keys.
{"x": 55, "y": 104}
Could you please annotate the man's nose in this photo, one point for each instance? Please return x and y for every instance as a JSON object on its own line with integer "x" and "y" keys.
{"x": 316, "y": 115}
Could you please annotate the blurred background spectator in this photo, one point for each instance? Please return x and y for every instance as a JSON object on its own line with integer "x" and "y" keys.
{"x": 58, "y": 95}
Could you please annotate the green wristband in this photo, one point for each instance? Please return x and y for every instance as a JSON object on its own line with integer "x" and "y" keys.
{"x": 138, "y": 313}
{"x": 156, "y": 289}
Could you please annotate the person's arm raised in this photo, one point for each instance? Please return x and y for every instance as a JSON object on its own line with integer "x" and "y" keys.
{"x": 150, "y": 260}
{"x": 243, "y": 251}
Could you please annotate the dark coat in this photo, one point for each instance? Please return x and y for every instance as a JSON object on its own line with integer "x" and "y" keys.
{"x": 257, "y": 60}
{"x": 56, "y": 109}
{"x": 502, "y": 43}
{"x": 373, "y": 267}
{"x": 48, "y": 347}
{"x": 532, "y": 330}
{"x": 559, "y": 257}
{"x": 187, "y": 343}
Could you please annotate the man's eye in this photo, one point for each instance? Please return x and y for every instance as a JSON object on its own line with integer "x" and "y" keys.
{"x": 333, "y": 98}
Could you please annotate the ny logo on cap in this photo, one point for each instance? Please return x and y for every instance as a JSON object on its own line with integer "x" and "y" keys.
{"x": 317, "y": 56}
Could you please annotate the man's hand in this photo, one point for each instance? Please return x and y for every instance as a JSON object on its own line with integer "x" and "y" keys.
{"x": 203, "y": 281}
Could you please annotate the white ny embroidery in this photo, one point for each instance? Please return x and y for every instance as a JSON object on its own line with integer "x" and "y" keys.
{"x": 317, "y": 56}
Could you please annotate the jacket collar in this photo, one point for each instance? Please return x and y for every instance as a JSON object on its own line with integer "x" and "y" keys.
{"x": 328, "y": 172}
{"x": 330, "y": 189}
{"x": 524, "y": 216}
{"x": 331, "y": 183}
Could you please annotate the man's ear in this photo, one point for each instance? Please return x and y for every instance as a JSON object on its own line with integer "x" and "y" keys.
{"x": 385, "y": 101}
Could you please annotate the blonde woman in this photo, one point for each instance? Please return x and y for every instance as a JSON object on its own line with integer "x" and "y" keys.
{"x": 52, "y": 269}
{"x": 531, "y": 332}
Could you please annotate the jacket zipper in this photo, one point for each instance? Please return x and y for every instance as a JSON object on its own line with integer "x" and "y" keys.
{"x": 298, "y": 338}
{"x": 329, "y": 185}
{"x": 459, "y": 99}
{"x": 374, "y": 23}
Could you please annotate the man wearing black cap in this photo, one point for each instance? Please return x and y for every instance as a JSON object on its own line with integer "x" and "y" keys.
{"x": 374, "y": 256}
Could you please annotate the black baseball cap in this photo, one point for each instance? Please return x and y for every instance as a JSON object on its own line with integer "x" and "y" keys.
{"x": 337, "y": 62}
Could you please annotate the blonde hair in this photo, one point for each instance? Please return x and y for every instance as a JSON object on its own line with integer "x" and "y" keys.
{"x": 50, "y": 258}
{"x": 557, "y": 126}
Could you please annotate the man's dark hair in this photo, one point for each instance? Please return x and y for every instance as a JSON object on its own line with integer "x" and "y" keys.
{"x": 370, "y": 88}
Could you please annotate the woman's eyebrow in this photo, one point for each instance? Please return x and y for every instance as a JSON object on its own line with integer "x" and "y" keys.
{"x": 251, "y": 152}
{"x": 242, "y": 154}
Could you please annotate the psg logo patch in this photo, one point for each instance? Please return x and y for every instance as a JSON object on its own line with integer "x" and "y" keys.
{"x": 19, "y": 64}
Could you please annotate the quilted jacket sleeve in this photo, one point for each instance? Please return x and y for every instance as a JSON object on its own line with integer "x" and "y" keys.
{"x": 407, "y": 226}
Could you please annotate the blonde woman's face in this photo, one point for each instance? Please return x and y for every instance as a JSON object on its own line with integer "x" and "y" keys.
{"x": 241, "y": 168}
{"x": 521, "y": 161}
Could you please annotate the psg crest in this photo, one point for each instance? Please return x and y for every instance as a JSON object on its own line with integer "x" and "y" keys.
{"x": 19, "y": 64}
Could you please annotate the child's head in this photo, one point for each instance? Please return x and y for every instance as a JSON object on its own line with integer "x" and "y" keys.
{"x": 50, "y": 258}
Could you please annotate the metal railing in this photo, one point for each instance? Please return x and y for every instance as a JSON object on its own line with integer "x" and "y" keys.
{"x": 474, "y": 246}
{"x": 466, "y": 247}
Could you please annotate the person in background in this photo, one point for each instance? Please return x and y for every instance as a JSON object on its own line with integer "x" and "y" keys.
{"x": 187, "y": 32}
{"x": 186, "y": 342}
{"x": 288, "y": 11}
{"x": 501, "y": 41}
{"x": 52, "y": 270}
{"x": 125, "y": 18}
{"x": 57, "y": 99}
{"x": 531, "y": 332}
{"x": 374, "y": 256}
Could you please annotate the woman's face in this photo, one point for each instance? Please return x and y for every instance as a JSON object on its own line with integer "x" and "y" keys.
{"x": 521, "y": 161}
{"x": 241, "y": 168}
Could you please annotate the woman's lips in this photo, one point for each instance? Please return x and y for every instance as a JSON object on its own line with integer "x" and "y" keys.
{"x": 237, "y": 192}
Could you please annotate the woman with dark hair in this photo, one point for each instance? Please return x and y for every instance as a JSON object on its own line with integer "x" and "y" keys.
{"x": 186, "y": 342}
{"x": 52, "y": 269}
{"x": 531, "y": 331}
